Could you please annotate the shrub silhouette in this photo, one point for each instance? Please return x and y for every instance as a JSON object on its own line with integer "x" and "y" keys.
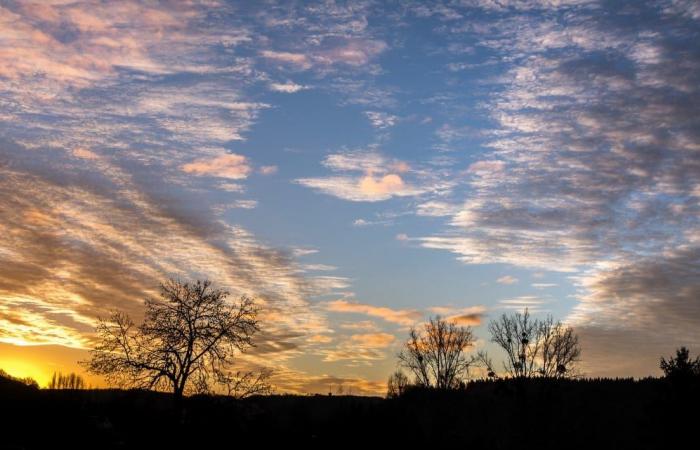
{"x": 682, "y": 366}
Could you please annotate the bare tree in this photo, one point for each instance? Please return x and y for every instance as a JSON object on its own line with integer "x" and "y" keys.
{"x": 396, "y": 385}
{"x": 436, "y": 355}
{"x": 185, "y": 344}
{"x": 517, "y": 335}
{"x": 560, "y": 349}
{"x": 482, "y": 359}
{"x": 535, "y": 347}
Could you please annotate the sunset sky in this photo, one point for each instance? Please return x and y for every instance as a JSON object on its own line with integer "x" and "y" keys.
{"x": 357, "y": 167}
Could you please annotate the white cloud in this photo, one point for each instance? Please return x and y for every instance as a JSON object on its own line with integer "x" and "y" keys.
{"x": 287, "y": 88}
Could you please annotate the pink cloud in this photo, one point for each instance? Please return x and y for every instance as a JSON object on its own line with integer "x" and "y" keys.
{"x": 225, "y": 166}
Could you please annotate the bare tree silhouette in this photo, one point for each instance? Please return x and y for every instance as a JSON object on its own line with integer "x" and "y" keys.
{"x": 436, "y": 355}
{"x": 396, "y": 385}
{"x": 516, "y": 334}
{"x": 560, "y": 349}
{"x": 536, "y": 347}
{"x": 482, "y": 359}
{"x": 186, "y": 342}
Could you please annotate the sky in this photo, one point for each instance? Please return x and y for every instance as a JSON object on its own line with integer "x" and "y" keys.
{"x": 355, "y": 166}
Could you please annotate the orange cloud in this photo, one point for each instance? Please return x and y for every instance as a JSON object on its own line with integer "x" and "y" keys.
{"x": 319, "y": 339}
{"x": 84, "y": 153}
{"x": 225, "y": 166}
{"x": 401, "y": 317}
{"x": 466, "y": 319}
{"x": 373, "y": 340}
{"x": 388, "y": 184}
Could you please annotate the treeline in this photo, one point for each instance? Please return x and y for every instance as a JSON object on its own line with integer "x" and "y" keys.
{"x": 436, "y": 354}
{"x": 505, "y": 413}
{"x": 68, "y": 381}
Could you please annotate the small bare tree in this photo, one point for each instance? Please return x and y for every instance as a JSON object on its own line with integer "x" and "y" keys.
{"x": 560, "y": 349}
{"x": 185, "y": 344}
{"x": 436, "y": 355}
{"x": 396, "y": 385}
{"x": 536, "y": 347}
{"x": 517, "y": 335}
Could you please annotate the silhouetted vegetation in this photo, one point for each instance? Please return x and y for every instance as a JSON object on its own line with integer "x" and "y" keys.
{"x": 682, "y": 366}
{"x": 69, "y": 381}
{"x": 9, "y": 380}
{"x": 185, "y": 344}
{"x": 397, "y": 384}
{"x": 436, "y": 355}
{"x": 535, "y": 347}
{"x": 543, "y": 413}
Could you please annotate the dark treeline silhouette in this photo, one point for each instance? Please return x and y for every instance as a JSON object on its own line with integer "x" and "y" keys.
{"x": 543, "y": 413}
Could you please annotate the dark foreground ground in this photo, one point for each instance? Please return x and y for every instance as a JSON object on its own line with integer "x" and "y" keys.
{"x": 591, "y": 414}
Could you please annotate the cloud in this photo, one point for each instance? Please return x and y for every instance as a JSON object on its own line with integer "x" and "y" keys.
{"x": 381, "y": 120}
{"x": 84, "y": 153}
{"x": 401, "y": 317}
{"x": 231, "y": 166}
{"x": 298, "y": 59}
{"x": 373, "y": 340}
{"x": 303, "y": 383}
{"x": 287, "y": 88}
{"x": 380, "y": 178}
{"x": 381, "y": 187}
{"x": 592, "y": 169}
{"x": 360, "y": 348}
{"x": 466, "y": 319}
{"x": 268, "y": 170}
{"x": 467, "y": 316}
{"x": 486, "y": 167}
{"x": 507, "y": 279}
{"x": 645, "y": 307}
{"x": 320, "y": 339}
{"x": 434, "y": 208}
{"x": 352, "y": 52}
{"x": 532, "y": 303}
{"x": 574, "y": 177}
{"x": 75, "y": 255}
